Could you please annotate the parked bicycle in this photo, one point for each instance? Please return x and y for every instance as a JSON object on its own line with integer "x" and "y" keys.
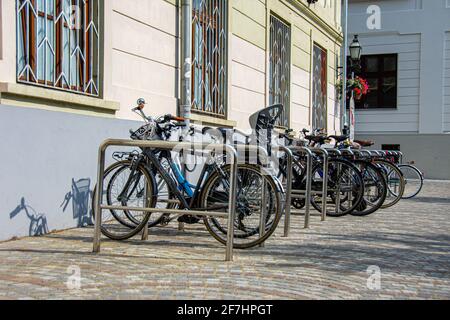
{"x": 139, "y": 180}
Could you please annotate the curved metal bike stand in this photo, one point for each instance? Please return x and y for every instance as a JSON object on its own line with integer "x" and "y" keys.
{"x": 299, "y": 194}
{"x": 259, "y": 151}
{"x": 324, "y": 193}
{"x": 167, "y": 145}
{"x": 338, "y": 193}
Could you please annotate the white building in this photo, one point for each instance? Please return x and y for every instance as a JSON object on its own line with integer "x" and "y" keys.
{"x": 406, "y": 58}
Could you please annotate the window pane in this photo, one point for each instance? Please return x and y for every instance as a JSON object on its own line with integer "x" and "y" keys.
{"x": 390, "y": 92}
{"x": 372, "y": 64}
{"x": 390, "y": 63}
{"x": 51, "y": 52}
{"x": 280, "y": 67}
{"x": 209, "y": 57}
{"x": 319, "y": 103}
{"x": 380, "y": 72}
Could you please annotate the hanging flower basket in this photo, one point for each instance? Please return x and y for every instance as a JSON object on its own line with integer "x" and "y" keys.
{"x": 358, "y": 85}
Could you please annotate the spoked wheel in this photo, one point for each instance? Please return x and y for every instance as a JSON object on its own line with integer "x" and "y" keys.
{"x": 115, "y": 187}
{"x": 345, "y": 187}
{"x": 249, "y": 205}
{"x": 298, "y": 170}
{"x": 375, "y": 189}
{"x": 125, "y": 187}
{"x": 413, "y": 181}
{"x": 395, "y": 182}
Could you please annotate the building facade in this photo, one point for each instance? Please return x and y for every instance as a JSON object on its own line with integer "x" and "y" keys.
{"x": 70, "y": 71}
{"x": 406, "y": 58}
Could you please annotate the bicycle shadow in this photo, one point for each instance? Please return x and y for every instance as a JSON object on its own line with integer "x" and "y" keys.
{"x": 38, "y": 221}
{"x": 80, "y": 196}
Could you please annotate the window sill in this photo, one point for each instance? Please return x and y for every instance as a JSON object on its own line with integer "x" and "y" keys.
{"x": 57, "y": 97}
{"x": 195, "y": 117}
{"x": 377, "y": 109}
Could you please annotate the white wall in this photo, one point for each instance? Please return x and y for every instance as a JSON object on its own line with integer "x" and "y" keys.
{"x": 446, "y": 116}
{"x": 416, "y": 30}
{"x": 406, "y": 117}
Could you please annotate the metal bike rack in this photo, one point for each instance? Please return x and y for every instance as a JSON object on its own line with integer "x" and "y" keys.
{"x": 338, "y": 194}
{"x": 291, "y": 193}
{"x": 324, "y": 192}
{"x": 260, "y": 151}
{"x": 167, "y": 145}
{"x": 361, "y": 152}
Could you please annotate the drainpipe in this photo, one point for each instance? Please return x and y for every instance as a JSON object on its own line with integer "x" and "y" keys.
{"x": 186, "y": 51}
{"x": 344, "y": 117}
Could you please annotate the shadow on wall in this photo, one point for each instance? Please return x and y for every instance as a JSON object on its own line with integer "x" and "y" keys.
{"x": 80, "y": 196}
{"x": 38, "y": 221}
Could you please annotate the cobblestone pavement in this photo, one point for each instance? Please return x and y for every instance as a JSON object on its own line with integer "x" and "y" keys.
{"x": 409, "y": 243}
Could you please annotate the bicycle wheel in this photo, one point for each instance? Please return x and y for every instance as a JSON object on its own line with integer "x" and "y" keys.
{"x": 375, "y": 189}
{"x": 298, "y": 170}
{"x": 413, "y": 181}
{"x": 131, "y": 218}
{"x": 249, "y": 206}
{"x": 116, "y": 224}
{"x": 395, "y": 182}
{"x": 345, "y": 187}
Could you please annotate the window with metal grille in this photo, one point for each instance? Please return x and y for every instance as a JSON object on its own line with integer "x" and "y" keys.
{"x": 319, "y": 92}
{"x": 58, "y": 44}
{"x": 209, "y": 57}
{"x": 280, "y": 67}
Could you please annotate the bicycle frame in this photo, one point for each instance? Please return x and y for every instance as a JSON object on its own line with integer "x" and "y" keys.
{"x": 180, "y": 185}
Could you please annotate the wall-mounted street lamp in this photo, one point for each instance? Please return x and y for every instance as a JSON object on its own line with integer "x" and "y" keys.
{"x": 355, "y": 51}
{"x": 355, "y": 60}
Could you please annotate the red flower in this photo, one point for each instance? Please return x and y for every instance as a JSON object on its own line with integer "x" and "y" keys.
{"x": 357, "y": 91}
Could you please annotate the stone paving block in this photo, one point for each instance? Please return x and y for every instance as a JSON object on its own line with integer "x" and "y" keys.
{"x": 410, "y": 243}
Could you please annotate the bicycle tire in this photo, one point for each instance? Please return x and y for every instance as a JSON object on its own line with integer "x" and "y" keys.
{"x": 219, "y": 232}
{"x": 356, "y": 175}
{"x": 420, "y": 179}
{"x": 380, "y": 179}
{"x": 398, "y": 176}
{"x": 132, "y": 229}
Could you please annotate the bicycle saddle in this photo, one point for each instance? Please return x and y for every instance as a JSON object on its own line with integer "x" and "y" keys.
{"x": 266, "y": 118}
{"x": 365, "y": 143}
{"x": 316, "y": 139}
{"x": 339, "y": 138}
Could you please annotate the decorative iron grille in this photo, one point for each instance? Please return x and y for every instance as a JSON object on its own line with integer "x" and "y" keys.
{"x": 209, "y": 57}
{"x": 280, "y": 67}
{"x": 58, "y": 44}
{"x": 319, "y": 99}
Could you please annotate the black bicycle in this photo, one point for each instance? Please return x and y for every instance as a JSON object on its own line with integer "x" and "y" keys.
{"x": 138, "y": 181}
{"x": 345, "y": 181}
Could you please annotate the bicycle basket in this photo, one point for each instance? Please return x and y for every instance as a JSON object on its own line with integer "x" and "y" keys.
{"x": 145, "y": 132}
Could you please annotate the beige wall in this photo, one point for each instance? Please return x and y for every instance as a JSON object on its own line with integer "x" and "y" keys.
{"x": 1, "y": 31}
{"x": 249, "y": 38}
{"x": 8, "y": 46}
{"x": 141, "y": 45}
{"x": 141, "y": 55}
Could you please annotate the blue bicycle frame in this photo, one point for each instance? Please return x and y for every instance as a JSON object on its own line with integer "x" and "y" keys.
{"x": 183, "y": 183}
